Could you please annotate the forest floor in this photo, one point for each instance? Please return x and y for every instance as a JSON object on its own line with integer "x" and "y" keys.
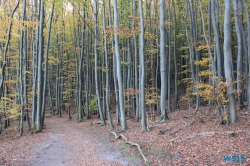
{"x": 187, "y": 140}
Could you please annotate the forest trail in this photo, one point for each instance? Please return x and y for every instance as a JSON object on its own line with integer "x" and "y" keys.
{"x": 71, "y": 144}
{"x": 186, "y": 141}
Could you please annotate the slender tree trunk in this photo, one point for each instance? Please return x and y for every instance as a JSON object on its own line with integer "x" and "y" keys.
{"x": 248, "y": 51}
{"x": 80, "y": 73}
{"x": 22, "y": 83}
{"x": 25, "y": 61}
{"x": 169, "y": 59}
{"x": 3, "y": 65}
{"x": 163, "y": 68}
{"x": 135, "y": 66}
{"x": 142, "y": 65}
{"x": 21, "y": 86}
{"x": 175, "y": 60}
{"x": 46, "y": 67}
{"x": 118, "y": 67}
{"x": 96, "y": 64}
{"x": 237, "y": 17}
{"x": 216, "y": 40}
{"x": 40, "y": 72}
{"x": 107, "y": 71}
{"x": 228, "y": 59}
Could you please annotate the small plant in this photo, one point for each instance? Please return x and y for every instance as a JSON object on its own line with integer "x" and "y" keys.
{"x": 149, "y": 163}
{"x": 214, "y": 90}
{"x": 92, "y": 103}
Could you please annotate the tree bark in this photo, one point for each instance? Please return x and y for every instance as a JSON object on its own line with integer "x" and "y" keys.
{"x": 46, "y": 67}
{"x": 228, "y": 59}
{"x": 118, "y": 67}
{"x": 142, "y": 65}
{"x": 39, "y": 71}
{"x": 248, "y": 51}
{"x": 163, "y": 68}
{"x": 237, "y": 17}
{"x": 216, "y": 40}
{"x": 96, "y": 64}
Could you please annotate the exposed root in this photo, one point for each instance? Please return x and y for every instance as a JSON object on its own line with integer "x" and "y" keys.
{"x": 131, "y": 143}
{"x": 186, "y": 125}
{"x": 116, "y": 136}
{"x": 163, "y": 131}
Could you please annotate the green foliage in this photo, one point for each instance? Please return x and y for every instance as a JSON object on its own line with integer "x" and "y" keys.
{"x": 124, "y": 63}
{"x": 183, "y": 48}
{"x": 92, "y": 103}
{"x": 149, "y": 163}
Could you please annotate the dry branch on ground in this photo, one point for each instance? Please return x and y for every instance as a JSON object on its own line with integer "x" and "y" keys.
{"x": 131, "y": 143}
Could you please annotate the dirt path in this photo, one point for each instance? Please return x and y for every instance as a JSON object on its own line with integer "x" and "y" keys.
{"x": 71, "y": 143}
{"x": 66, "y": 142}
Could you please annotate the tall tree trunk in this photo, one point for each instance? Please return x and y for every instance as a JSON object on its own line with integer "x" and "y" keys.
{"x": 3, "y": 65}
{"x": 22, "y": 83}
{"x": 248, "y": 51}
{"x": 228, "y": 59}
{"x": 175, "y": 60}
{"x": 216, "y": 40}
{"x": 40, "y": 72}
{"x": 80, "y": 76}
{"x": 35, "y": 41}
{"x": 135, "y": 65}
{"x": 21, "y": 86}
{"x": 238, "y": 17}
{"x": 96, "y": 64}
{"x": 119, "y": 73}
{"x": 107, "y": 71}
{"x": 169, "y": 59}
{"x": 163, "y": 67}
{"x": 46, "y": 66}
{"x": 142, "y": 65}
{"x": 25, "y": 61}
{"x": 208, "y": 45}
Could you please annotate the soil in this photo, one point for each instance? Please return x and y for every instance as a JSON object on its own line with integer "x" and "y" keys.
{"x": 190, "y": 140}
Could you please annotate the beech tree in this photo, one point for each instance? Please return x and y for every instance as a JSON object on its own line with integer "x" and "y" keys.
{"x": 142, "y": 66}
{"x": 118, "y": 69}
{"x": 228, "y": 59}
{"x": 163, "y": 67}
{"x": 87, "y": 55}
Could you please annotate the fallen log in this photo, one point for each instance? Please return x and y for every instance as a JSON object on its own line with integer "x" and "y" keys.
{"x": 131, "y": 143}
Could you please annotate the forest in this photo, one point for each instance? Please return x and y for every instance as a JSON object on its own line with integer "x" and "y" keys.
{"x": 118, "y": 62}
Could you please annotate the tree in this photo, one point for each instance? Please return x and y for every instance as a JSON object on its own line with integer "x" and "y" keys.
{"x": 96, "y": 63}
{"x": 107, "y": 69}
{"x": 228, "y": 59}
{"x": 46, "y": 67}
{"x": 118, "y": 69}
{"x": 39, "y": 70}
{"x": 163, "y": 68}
{"x": 238, "y": 24}
{"x": 3, "y": 64}
{"x": 216, "y": 39}
{"x": 248, "y": 52}
{"x": 142, "y": 66}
